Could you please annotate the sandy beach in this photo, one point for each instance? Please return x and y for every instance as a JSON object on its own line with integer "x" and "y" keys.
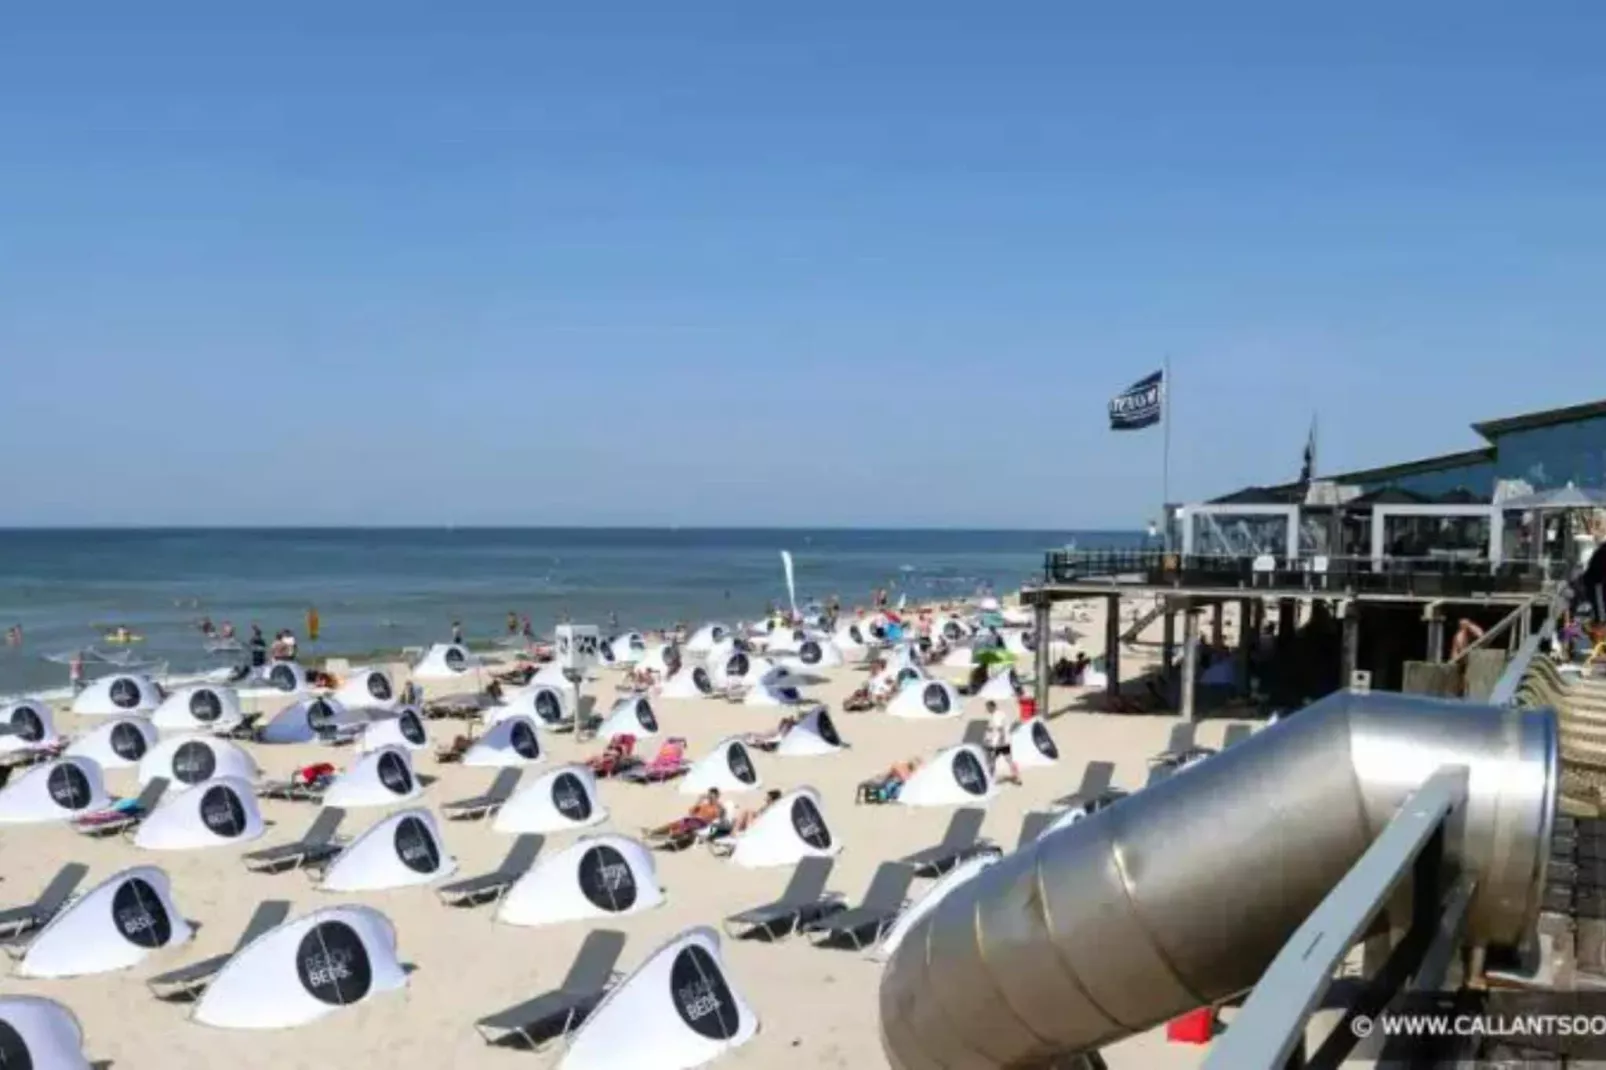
{"x": 817, "y": 1007}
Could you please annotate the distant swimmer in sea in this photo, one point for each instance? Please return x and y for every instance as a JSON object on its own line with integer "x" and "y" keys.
{"x": 457, "y": 632}
{"x": 512, "y": 623}
{"x": 226, "y": 630}
{"x": 14, "y": 635}
{"x": 206, "y": 627}
{"x": 313, "y": 623}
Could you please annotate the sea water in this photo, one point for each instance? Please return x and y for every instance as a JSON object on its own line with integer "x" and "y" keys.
{"x": 383, "y": 589}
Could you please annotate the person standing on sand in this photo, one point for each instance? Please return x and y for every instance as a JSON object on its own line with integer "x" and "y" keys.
{"x": 259, "y": 647}
{"x": 75, "y": 671}
{"x": 312, "y": 624}
{"x": 998, "y": 741}
{"x": 512, "y": 623}
{"x": 457, "y": 632}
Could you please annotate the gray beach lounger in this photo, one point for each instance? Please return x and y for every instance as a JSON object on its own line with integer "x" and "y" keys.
{"x": 805, "y": 900}
{"x": 246, "y": 730}
{"x": 188, "y": 982}
{"x": 292, "y": 790}
{"x": 1096, "y": 780}
{"x": 111, "y": 822}
{"x": 1032, "y": 826}
{"x": 482, "y": 806}
{"x": 16, "y": 922}
{"x": 1236, "y": 734}
{"x": 316, "y": 845}
{"x": 462, "y": 707}
{"x": 883, "y": 902}
{"x": 558, "y": 1013}
{"x": 960, "y": 842}
{"x": 491, "y": 887}
{"x": 975, "y": 733}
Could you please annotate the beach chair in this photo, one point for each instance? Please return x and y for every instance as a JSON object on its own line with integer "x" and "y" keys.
{"x": 463, "y": 707}
{"x": 17, "y": 922}
{"x": 959, "y": 843}
{"x": 125, "y": 816}
{"x": 616, "y": 757}
{"x": 316, "y": 845}
{"x": 803, "y": 901}
{"x": 681, "y": 834}
{"x": 769, "y": 742}
{"x": 306, "y": 784}
{"x": 246, "y": 731}
{"x": 453, "y": 752}
{"x": 1236, "y": 734}
{"x": 491, "y": 887}
{"x": 975, "y": 733}
{"x": 1096, "y": 780}
{"x": 883, "y": 902}
{"x": 1032, "y": 826}
{"x": 555, "y": 1015}
{"x": 479, "y": 807}
{"x": 188, "y": 982}
{"x": 667, "y": 764}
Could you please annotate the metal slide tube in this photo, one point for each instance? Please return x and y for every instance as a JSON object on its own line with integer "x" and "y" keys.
{"x": 1183, "y": 893}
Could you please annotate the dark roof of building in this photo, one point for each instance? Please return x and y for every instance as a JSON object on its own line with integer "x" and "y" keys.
{"x": 1290, "y": 494}
{"x": 1492, "y": 429}
{"x": 1443, "y": 461}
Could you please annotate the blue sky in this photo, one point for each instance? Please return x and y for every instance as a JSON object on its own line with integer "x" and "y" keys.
{"x": 835, "y": 263}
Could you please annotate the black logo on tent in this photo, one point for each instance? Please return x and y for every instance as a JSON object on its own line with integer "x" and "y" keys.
{"x": 809, "y": 824}
{"x": 644, "y": 714}
{"x": 379, "y": 686}
{"x": 951, "y": 631}
{"x": 30, "y": 728}
{"x": 393, "y": 773}
{"x": 283, "y": 677}
{"x": 700, "y": 680}
{"x": 605, "y": 648}
{"x": 907, "y": 675}
{"x": 936, "y": 698}
{"x": 412, "y": 729}
{"x": 856, "y": 634}
{"x": 569, "y": 796}
{"x": 139, "y": 915}
{"x": 128, "y": 743}
{"x": 701, "y": 996}
{"x": 737, "y": 665}
{"x": 638, "y": 644}
{"x": 810, "y": 653}
{"x": 789, "y": 694}
{"x": 222, "y": 811}
{"x": 416, "y": 847}
{"x": 606, "y": 879}
{"x": 521, "y": 737}
{"x": 194, "y": 762}
{"x": 548, "y": 707}
{"x": 68, "y": 786}
{"x": 827, "y": 729}
{"x": 455, "y": 659}
{"x": 333, "y": 965}
{"x": 741, "y": 764}
{"x": 968, "y": 773}
{"x": 124, "y": 693}
{"x": 1043, "y": 741}
{"x": 718, "y": 632}
{"x": 14, "y": 1054}
{"x": 205, "y": 706}
{"x": 320, "y": 715}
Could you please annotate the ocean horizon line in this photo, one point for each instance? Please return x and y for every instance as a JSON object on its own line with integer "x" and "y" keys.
{"x": 158, "y": 528}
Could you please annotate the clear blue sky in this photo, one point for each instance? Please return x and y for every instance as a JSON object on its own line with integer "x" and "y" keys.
{"x": 826, "y": 263}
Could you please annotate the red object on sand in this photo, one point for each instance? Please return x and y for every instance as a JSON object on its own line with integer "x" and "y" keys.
{"x": 1195, "y": 1027}
{"x": 1028, "y": 707}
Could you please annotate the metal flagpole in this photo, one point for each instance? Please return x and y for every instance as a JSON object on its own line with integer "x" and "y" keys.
{"x": 1165, "y": 459}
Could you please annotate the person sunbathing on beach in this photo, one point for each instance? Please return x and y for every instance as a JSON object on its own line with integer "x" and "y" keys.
{"x": 860, "y": 701}
{"x": 745, "y": 818}
{"x": 886, "y": 787}
{"x": 708, "y": 812}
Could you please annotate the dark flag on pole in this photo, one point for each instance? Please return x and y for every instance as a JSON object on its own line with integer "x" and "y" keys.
{"x": 1138, "y": 406}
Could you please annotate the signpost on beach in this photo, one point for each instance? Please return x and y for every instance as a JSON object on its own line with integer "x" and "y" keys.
{"x": 578, "y": 646}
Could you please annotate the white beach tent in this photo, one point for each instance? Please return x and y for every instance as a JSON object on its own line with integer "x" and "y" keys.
{"x": 952, "y": 629}
{"x": 513, "y": 740}
{"x": 736, "y": 667}
{"x": 58, "y": 791}
{"x": 118, "y": 744}
{"x": 367, "y": 688}
{"x": 1031, "y": 745}
{"x": 194, "y": 758}
{"x": 955, "y": 776}
{"x": 657, "y": 660}
{"x": 304, "y": 969}
{"x": 784, "y": 640}
{"x": 561, "y": 799}
{"x": 445, "y": 661}
{"x": 776, "y": 687}
{"x": 301, "y": 721}
{"x": 1019, "y": 642}
{"x": 814, "y": 734}
{"x": 380, "y": 778}
{"x": 605, "y": 876}
{"x": 113, "y": 926}
{"x": 692, "y": 681}
{"x": 728, "y": 767}
{"x": 676, "y": 1011}
{"x": 629, "y": 648}
{"x": 703, "y": 639}
{"x": 547, "y": 704}
{"x": 40, "y": 1034}
{"x": 853, "y": 638}
{"x": 631, "y": 716}
{"x": 925, "y": 698}
{"x": 215, "y": 813}
{"x": 199, "y": 707}
{"x": 815, "y": 652}
{"x": 279, "y": 678}
{"x": 792, "y": 829}
{"x": 398, "y": 851}
{"x": 551, "y": 675}
{"x": 117, "y": 695}
{"x": 406, "y": 729}
{"x": 939, "y": 890}
{"x": 1000, "y": 687}
{"x": 31, "y": 725}
{"x": 959, "y": 657}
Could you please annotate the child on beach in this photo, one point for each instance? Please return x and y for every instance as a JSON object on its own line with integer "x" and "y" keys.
{"x": 998, "y": 741}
